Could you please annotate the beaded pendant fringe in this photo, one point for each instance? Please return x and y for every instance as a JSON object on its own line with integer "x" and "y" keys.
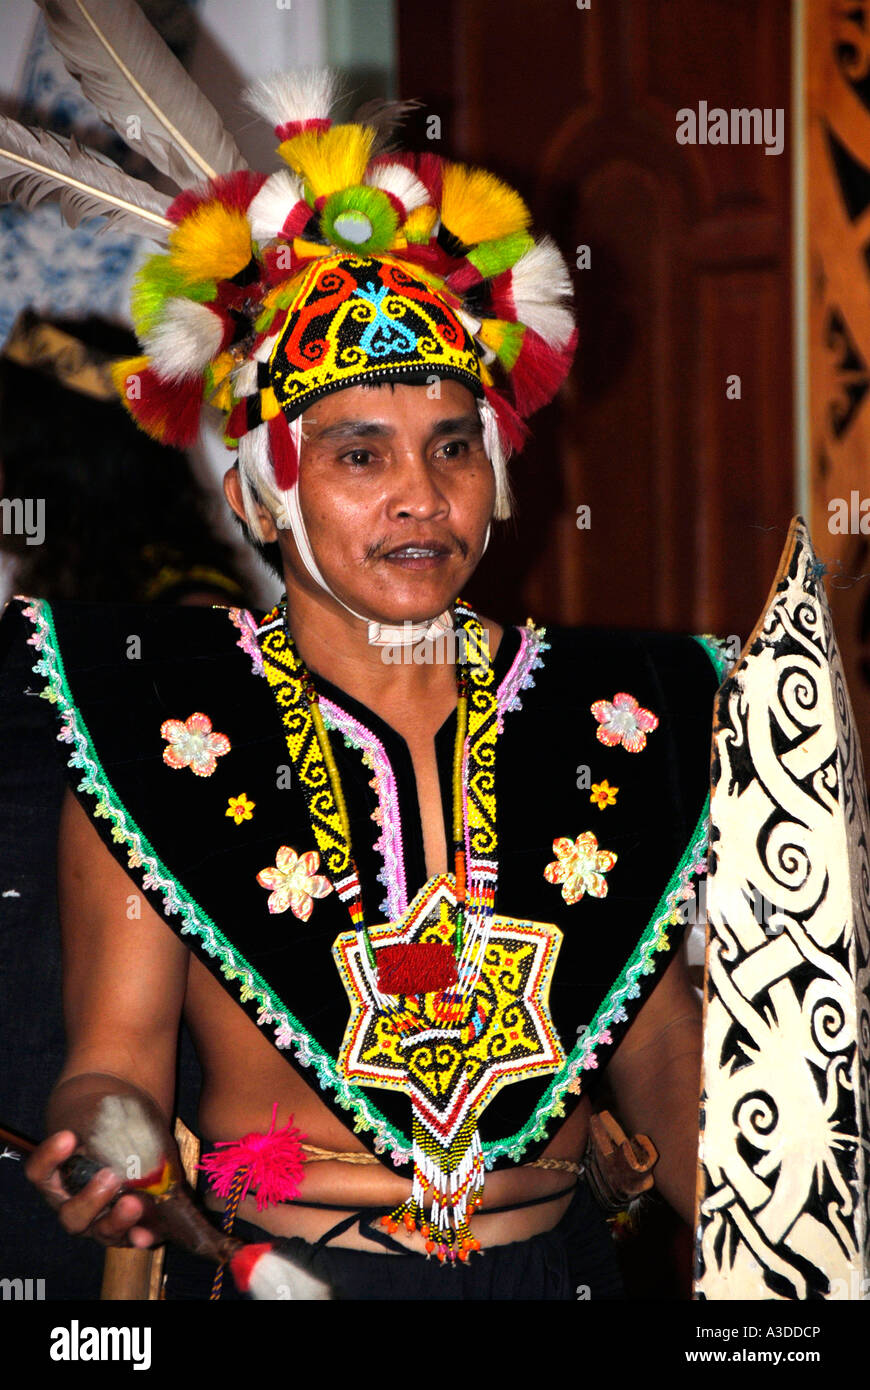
{"x": 454, "y": 1178}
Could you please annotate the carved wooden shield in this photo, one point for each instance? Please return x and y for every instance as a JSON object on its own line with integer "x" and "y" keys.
{"x": 782, "y": 1194}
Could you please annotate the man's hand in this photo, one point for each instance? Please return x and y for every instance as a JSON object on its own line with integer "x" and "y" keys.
{"x": 124, "y": 983}
{"x": 655, "y": 1077}
{"x": 89, "y": 1212}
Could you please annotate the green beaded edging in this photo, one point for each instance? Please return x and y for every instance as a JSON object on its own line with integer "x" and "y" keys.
{"x": 156, "y": 876}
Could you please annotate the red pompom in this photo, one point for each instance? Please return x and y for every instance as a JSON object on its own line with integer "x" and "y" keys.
{"x": 502, "y": 299}
{"x": 237, "y": 423}
{"x": 236, "y": 190}
{"x": 430, "y": 256}
{"x": 539, "y": 371}
{"x": 291, "y": 128}
{"x": 168, "y": 410}
{"x": 462, "y": 280}
{"x": 283, "y": 450}
{"x": 244, "y": 1262}
{"x": 513, "y": 429}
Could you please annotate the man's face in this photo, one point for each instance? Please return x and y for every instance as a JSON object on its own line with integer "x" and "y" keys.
{"x": 396, "y": 492}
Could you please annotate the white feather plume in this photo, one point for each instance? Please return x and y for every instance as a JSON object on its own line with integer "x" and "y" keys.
{"x": 305, "y": 95}
{"x": 35, "y": 164}
{"x": 138, "y": 85}
{"x": 401, "y": 182}
{"x": 186, "y": 337}
{"x": 273, "y": 204}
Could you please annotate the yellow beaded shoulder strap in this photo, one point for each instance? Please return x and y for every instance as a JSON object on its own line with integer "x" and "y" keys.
{"x": 474, "y": 806}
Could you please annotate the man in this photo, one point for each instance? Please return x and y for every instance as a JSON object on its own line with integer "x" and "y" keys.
{"x": 230, "y": 810}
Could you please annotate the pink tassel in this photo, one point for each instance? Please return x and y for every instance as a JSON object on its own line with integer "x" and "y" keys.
{"x": 274, "y": 1162}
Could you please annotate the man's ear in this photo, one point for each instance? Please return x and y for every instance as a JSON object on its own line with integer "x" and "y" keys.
{"x": 233, "y": 494}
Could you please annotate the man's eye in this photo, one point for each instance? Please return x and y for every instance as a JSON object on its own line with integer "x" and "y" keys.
{"x": 454, "y": 449}
{"x": 358, "y": 457}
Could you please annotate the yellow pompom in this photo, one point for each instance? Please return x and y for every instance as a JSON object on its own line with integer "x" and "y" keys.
{"x": 329, "y": 159}
{"x": 221, "y": 386}
{"x": 418, "y": 224}
{"x": 124, "y": 372}
{"x": 476, "y": 206}
{"x": 492, "y": 332}
{"x": 303, "y": 248}
{"x": 269, "y": 406}
{"x": 213, "y": 243}
{"x": 223, "y": 398}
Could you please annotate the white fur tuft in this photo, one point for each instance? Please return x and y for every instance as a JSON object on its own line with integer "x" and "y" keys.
{"x": 305, "y": 95}
{"x": 498, "y": 455}
{"x": 187, "y": 336}
{"x": 273, "y": 1277}
{"x": 401, "y": 182}
{"x": 273, "y": 204}
{"x": 257, "y": 477}
{"x": 245, "y": 378}
{"x": 123, "y": 1132}
{"x": 541, "y": 274}
{"x": 553, "y": 322}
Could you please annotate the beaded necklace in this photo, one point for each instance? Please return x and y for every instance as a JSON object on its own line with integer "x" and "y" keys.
{"x": 402, "y": 976}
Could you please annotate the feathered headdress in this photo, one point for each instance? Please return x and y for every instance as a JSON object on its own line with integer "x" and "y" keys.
{"x": 353, "y": 260}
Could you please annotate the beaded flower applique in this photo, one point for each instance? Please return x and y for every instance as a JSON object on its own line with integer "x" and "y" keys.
{"x": 623, "y": 721}
{"x": 191, "y": 743}
{"x": 240, "y": 808}
{"x": 294, "y": 882}
{"x": 580, "y": 867}
{"x": 603, "y": 794}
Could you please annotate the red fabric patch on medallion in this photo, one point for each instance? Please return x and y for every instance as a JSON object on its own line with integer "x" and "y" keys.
{"x": 420, "y": 967}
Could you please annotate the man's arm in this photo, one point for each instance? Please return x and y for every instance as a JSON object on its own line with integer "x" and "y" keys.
{"x": 124, "y": 981}
{"x": 655, "y": 1077}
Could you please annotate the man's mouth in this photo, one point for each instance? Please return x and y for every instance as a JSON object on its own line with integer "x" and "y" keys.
{"x": 418, "y": 555}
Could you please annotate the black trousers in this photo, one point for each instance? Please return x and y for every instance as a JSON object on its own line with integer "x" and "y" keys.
{"x": 575, "y": 1260}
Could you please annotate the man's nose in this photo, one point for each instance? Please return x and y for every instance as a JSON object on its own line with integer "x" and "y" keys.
{"x": 415, "y": 491}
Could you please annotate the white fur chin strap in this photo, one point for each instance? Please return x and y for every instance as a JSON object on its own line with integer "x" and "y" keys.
{"x": 379, "y": 634}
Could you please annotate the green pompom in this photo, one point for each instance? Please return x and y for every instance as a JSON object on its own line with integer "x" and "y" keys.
{"x": 360, "y": 219}
{"x": 492, "y": 257}
{"x": 155, "y": 282}
{"x": 509, "y": 349}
